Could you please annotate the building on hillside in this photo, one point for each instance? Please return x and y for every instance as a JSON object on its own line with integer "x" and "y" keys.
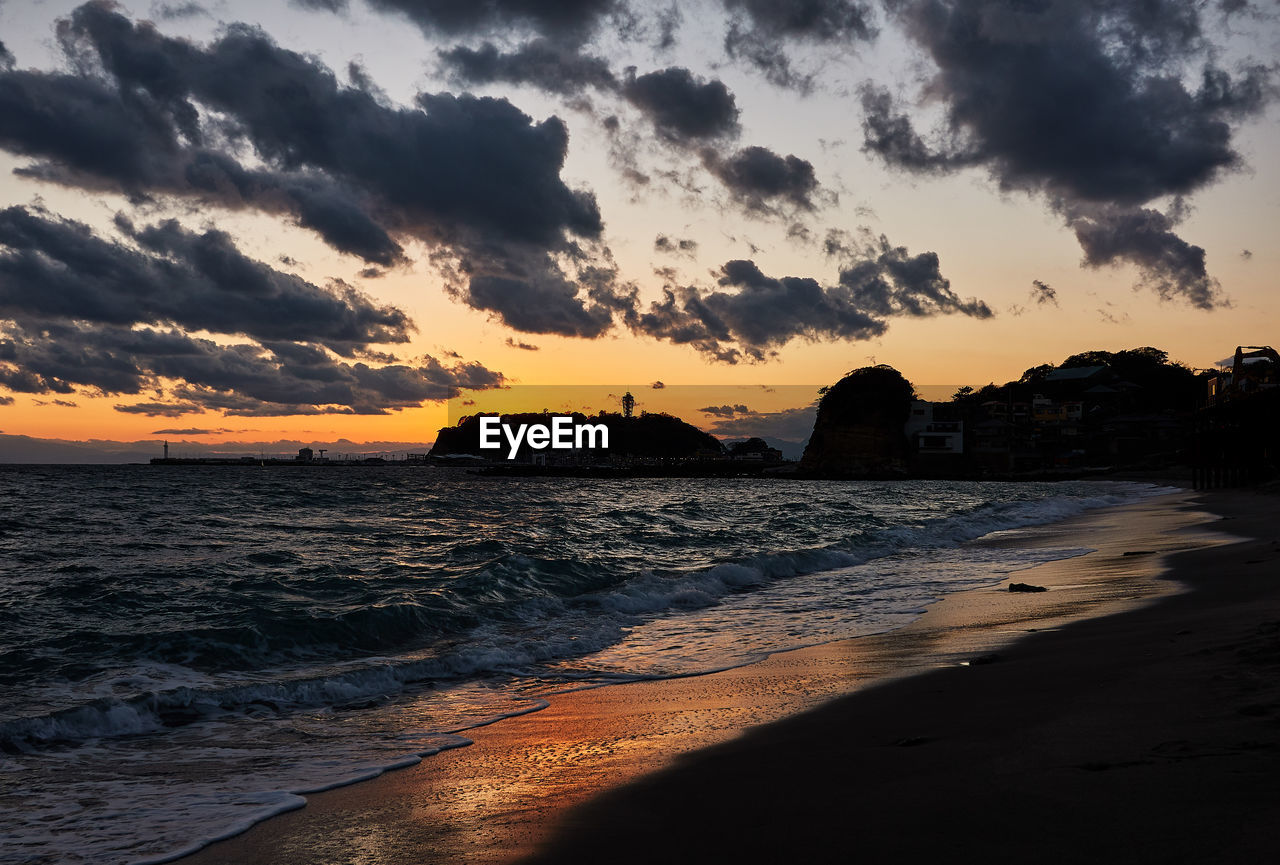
{"x": 935, "y": 428}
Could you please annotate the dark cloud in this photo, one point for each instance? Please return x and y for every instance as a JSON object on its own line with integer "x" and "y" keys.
{"x": 750, "y": 315}
{"x": 668, "y": 21}
{"x": 768, "y": 56}
{"x": 6, "y": 400}
{"x": 800, "y": 233}
{"x": 761, "y": 179}
{"x": 6, "y": 58}
{"x": 887, "y": 281}
{"x": 54, "y": 268}
{"x": 540, "y": 298}
{"x": 816, "y": 20}
{"x": 693, "y": 112}
{"x": 189, "y": 431}
{"x": 791, "y": 424}
{"x": 1042, "y": 293}
{"x": 675, "y": 245}
{"x": 474, "y": 176}
{"x": 172, "y": 11}
{"x": 571, "y": 20}
{"x": 1085, "y": 103}
{"x": 523, "y": 346}
{"x": 889, "y": 133}
{"x": 276, "y": 378}
{"x": 321, "y": 5}
{"x": 1246, "y": 254}
{"x": 684, "y": 108}
{"x": 682, "y": 317}
{"x": 724, "y": 411}
{"x": 338, "y": 159}
{"x": 549, "y": 66}
{"x": 760, "y": 30}
{"x": 62, "y": 403}
{"x": 81, "y": 312}
{"x": 1168, "y": 264}
{"x": 159, "y": 409}
{"x": 657, "y": 385}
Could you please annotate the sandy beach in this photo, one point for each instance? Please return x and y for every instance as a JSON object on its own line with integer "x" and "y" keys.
{"x": 1149, "y": 736}
{"x": 1143, "y": 735}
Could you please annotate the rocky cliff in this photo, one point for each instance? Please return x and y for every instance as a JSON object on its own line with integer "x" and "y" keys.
{"x": 858, "y": 431}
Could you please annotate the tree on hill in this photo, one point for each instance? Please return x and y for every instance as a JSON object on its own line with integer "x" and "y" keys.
{"x": 1036, "y": 373}
{"x": 869, "y": 394}
{"x": 1161, "y": 384}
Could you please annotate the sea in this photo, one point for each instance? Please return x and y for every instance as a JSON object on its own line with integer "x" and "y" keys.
{"x": 188, "y": 650}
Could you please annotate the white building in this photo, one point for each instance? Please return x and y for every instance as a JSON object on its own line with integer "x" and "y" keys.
{"x": 930, "y": 433}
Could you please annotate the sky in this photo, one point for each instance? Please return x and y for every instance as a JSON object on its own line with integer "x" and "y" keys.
{"x": 323, "y": 220}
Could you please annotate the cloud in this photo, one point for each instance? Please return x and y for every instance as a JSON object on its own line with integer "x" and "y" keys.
{"x": 1042, "y": 293}
{"x": 816, "y": 20}
{"x": 271, "y": 378}
{"x": 546, "y": 65}
{"x": 58, "y": 268}
{"x": 80, "y": 311}
{"x": 190, "y": 431}
{"x": 1168, "y": 264}
{"x": 570, "y": 20}
{"x": 523, "y": 346}
{"x": 6, "y": 400}
{"x": 751, "y": 315}
{"x": 792, "y": 424}
{"x": 657, "y": 385}
{"x": 888, "y": 281}
{"x": 158, "y": 409}
{"x": 684, "y": 108}
{"x": 321, "y": 5}
{"x": 889, "y": 133}
{"x": 760, "y": 179}
{"x": 540, "y": 298}
{"x": 473, "y": 177}
{"x": 1246, "y": 254}
{"x": 1086, "y": 104}
{"x": 675, "y": 245}
{"x": 1111, "y": 318}
{"x": 62, "y": 403}
{"x": 761, "y": 31}
{"x": 173, "y": 11}
{"x": 724, "y": 411}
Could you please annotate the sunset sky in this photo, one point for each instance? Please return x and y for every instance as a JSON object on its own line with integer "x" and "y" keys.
{"x": 322, "y": 219}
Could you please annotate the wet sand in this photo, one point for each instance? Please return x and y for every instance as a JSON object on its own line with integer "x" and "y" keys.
{"x": 1150, "y": 736}
{"x": 989, "y": 743}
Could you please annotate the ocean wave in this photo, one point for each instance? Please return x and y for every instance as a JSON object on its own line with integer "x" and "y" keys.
{"x": 520, "y": 612}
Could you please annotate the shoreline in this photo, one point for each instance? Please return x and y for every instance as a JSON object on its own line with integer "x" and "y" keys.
{"x": 496, "y": 800}
{"x": 1152, "y": 735}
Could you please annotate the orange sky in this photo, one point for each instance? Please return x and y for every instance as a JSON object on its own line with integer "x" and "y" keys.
{"x": 991, "y": 245}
